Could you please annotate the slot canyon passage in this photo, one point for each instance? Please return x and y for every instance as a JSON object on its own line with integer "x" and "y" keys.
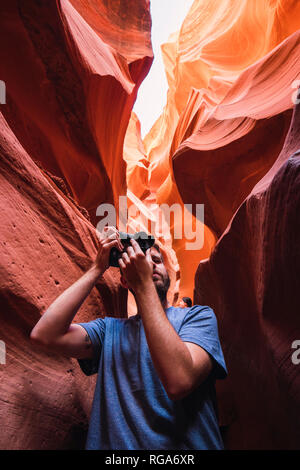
{"x": 228, "y": 138}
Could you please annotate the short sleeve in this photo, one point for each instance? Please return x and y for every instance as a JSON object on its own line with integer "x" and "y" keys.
{"x": 96, "y": 331}
{"x": 200, "y": 326}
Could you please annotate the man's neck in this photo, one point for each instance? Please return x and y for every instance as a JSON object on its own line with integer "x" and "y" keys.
{"x": 165, "y": 304}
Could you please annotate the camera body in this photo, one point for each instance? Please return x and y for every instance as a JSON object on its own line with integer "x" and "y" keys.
{"x": 145, "y": 241}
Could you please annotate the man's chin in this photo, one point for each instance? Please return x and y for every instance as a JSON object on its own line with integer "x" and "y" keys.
{"x": 160, "y": 289}
{"x": 158, "y": 282}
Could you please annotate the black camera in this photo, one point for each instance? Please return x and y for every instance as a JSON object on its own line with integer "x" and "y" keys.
{"x": 145, "y": 241}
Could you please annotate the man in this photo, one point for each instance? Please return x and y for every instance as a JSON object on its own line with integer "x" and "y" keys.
{"x": 156, "y": 370}
{"x": 185, "y": 302}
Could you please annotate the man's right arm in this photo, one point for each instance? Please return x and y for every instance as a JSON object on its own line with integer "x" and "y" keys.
{"x": 55, "y": 330}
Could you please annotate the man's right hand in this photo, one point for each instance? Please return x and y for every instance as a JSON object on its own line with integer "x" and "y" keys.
{"x": 108, "y": 239}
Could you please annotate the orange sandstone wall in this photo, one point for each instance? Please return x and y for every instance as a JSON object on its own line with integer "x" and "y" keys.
{"x": 228, "y": 139}
{"x": 230, "y": 71}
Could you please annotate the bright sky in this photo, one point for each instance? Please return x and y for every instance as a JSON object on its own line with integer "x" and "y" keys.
{"x": 167, "y": 17}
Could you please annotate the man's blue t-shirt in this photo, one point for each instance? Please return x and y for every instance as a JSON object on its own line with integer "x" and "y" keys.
{"x": 131, "y": 410}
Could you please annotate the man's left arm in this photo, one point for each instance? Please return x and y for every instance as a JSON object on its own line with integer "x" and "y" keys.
{"x": 181, "y": 366}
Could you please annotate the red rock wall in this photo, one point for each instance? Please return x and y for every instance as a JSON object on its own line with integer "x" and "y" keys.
{"x": 72, "y": 69}
{"x": 46, "y": 245}
{"x": 230, "y": 71}
{"x": 62, "y": 78}
{"x": 251, "y": 280}
{"x": 71, "y": 84}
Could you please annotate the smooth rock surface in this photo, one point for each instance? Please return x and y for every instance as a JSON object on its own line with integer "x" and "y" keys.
{"x": 46, "y": 245}
{"x": 71, "y": 79}
{"x": 62, "y": 77}
{"x": 231, "y": 71}
{"x": 252, "y": 282}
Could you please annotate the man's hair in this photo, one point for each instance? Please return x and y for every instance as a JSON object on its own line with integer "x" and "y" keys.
{"x": 187, "y": 300}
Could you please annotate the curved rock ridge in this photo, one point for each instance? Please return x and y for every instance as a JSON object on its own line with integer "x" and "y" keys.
{"x": 218, "y": 40}
{"x": 59, "y": 104}
{"x": 136, "y": 159}
{"x": 71, "y": 79}
{"x": 230, "y": 69}
{"x": 124, "y": 25}
{"x": 242, "y": 133}
{"x": 251, "y": 280}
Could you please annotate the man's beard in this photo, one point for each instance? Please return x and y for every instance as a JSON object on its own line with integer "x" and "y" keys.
{"x": 162, "y": 287}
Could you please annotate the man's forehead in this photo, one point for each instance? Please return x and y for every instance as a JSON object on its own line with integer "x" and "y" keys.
{"x": 154, "y": 251}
